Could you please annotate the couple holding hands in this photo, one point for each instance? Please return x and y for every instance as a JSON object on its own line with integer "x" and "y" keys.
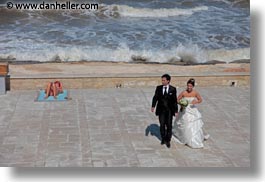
{"x": 187, "y": 126}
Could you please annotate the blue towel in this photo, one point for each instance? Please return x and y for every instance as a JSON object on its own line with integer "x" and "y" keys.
{"x": 61, "y": 97}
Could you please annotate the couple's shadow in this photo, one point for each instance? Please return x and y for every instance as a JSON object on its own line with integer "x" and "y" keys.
{"x": 154, "y": 130}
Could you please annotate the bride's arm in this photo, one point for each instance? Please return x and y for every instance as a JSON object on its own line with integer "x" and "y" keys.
{"x": 198, "y": 100}
{"x": 180, "y": 96}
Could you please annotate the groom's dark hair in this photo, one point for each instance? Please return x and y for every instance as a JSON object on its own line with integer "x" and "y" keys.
{"x": 167, "y": 76}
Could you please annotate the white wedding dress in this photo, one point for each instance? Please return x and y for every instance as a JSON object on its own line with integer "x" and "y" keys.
{"x": 187, "y": 127}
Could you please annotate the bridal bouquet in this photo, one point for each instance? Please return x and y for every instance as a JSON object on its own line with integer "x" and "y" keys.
{"x": 183, "y": 102}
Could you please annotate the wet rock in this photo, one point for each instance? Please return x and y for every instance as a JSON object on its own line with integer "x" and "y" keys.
{"x": 241, "y": 61}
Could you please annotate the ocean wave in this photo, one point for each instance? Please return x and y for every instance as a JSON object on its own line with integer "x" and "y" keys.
{"x": 236, "y": 3}
{"x": 228, "y": 55}
{"x": 183, "y": 53}
{"x": 113, "y": 11}
{"x": 127, "y": 11}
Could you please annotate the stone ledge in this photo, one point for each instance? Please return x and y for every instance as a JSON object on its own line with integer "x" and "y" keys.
{"x": 128, "y": 82}
{"x": 74, "y": 76}
{"x": 110, "y": 75}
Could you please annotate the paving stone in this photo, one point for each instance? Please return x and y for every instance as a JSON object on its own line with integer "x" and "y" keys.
{"x": 115, "y": 128}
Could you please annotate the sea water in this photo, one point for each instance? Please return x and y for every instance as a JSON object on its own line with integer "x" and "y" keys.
{"x": 126, "y": 30}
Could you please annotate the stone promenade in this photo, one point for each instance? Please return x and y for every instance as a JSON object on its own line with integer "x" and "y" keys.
{"x": 115, "y": 128}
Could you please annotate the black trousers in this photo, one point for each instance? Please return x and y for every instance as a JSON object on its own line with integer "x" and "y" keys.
{"x": 165, "y": 120}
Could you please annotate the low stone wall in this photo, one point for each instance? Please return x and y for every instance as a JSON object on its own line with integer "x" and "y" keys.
{"x": 128, "y": 82}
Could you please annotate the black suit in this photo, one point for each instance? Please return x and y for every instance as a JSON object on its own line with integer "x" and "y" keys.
{"x": 166, "y": 107}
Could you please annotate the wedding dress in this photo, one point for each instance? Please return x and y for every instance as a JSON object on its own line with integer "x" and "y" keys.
{"x": 187, "y": 127}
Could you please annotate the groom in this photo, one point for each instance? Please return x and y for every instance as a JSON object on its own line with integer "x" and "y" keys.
{"x": 165, "y": 100}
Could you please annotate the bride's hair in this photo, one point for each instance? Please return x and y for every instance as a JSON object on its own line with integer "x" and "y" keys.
{"x": 191, "y": 81}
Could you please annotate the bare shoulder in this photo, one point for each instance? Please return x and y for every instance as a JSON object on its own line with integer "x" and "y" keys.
{"x": 193, "y": 93}
{"x": 183, "y": 93}
{"x": 196, "y": 92}
{"x": 197, "y": 95}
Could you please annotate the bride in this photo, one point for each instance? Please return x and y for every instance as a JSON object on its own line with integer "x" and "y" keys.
{"x": 187, "y": 128}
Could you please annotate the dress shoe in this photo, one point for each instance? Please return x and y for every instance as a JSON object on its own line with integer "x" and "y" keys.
{"x": 168, "y": 144}
{"x": 206, "y": 137}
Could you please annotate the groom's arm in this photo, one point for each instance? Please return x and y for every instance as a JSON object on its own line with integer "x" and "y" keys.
{"x": 155, "y": 99}
{"x": 176, "y": 102}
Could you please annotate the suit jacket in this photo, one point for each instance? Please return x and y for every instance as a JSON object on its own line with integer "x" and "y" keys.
{"x": 170, "y": 100}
